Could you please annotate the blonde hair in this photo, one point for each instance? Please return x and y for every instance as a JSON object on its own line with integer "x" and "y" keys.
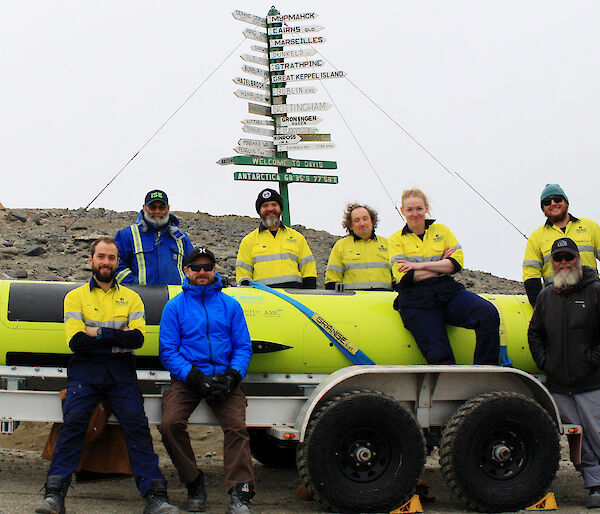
{"x": 408, "y": 193}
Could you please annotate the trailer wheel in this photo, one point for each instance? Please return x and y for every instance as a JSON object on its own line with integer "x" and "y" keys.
{"x": 363, "y": 451}
{"x": 271, "y": 452}
{"x": 500, "y": 452}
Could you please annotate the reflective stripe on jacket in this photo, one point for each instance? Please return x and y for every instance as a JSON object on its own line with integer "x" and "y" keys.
{"x": 585, "y": 232}
{"x": 360, "y": 264}
{"x": 275, "y": 260}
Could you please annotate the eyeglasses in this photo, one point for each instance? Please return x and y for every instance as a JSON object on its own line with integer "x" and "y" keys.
{"x": 199, "y": 267}
{"x": 559, "y": 257}
{"x": 157, "y": 206}
{"x": 556, "y": 199}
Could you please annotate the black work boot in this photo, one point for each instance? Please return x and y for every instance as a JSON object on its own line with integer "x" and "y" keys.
{"x": 241, "y": 495}
{"x": 54, "y": 497}
{"x": 196, "y": 498}
{"x": 157, "y": 501}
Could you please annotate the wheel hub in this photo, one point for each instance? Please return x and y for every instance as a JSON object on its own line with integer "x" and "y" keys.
{"x": 363, "y": 454}
{"x": 501, "y": 453}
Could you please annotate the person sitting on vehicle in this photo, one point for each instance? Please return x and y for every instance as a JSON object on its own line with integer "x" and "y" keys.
{"x": 423, "y": 256}
{"x": 361, "y": 260}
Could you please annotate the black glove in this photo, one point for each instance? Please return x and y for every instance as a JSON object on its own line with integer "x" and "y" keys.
{"x": 223, "y": 383}
{"x": 199, "y": 382}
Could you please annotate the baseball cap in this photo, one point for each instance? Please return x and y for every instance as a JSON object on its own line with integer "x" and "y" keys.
{"x": 156, "y": 195}
{"x": 199, "y": 251}
{"x": 564, "y": 244}
{"x": 268, "y": 195}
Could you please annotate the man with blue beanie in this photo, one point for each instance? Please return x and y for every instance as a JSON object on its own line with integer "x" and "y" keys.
{"x": 205, "y": 344}
{"x": 537, "y": 269}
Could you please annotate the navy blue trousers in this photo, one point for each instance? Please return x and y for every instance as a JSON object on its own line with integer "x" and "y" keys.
{"x": 126, "y": 403}
{"x": 465, "y": 309}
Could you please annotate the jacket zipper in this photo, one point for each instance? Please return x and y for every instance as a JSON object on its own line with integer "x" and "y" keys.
{"x": 207, "y": 335}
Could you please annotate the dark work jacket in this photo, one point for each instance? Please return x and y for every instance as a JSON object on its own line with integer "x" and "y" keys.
{"x": 564, "y": 335}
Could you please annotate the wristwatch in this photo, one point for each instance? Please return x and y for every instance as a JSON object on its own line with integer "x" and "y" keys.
{"x": 99, "y": 333}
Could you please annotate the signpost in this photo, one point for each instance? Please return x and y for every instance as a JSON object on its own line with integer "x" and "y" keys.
{"x": 286, "y": 124}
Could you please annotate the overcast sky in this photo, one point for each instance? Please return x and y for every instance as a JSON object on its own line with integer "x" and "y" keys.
{"x": 503, "y": 92}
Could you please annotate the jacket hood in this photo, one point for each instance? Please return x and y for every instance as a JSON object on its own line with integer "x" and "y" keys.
{"x": 215, "y": 287}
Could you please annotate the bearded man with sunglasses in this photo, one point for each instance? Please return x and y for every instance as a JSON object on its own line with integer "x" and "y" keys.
{"x": 205, "y": 344}
{"x": 537, "y": 270}
{"x": 564, "y": 339}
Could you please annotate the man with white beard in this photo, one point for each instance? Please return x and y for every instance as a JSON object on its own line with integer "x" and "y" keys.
{"x": 153, "y": 249}
{"x": 564, "y": 339}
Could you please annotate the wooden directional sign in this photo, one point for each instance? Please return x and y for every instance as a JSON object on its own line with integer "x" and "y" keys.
{"x": 283, "y": 139}
{"x": 282, "y": 66}
{"x": 225, "y": 161}
{"x": 285, "y": 177}
{"x": 257, "y": 143}
{"x": 258, "y": 122}
{"x": 275, "y": 31}
{"x": 313, "y": 146}
{"x": 299, "y": 52}
{"x": 249, "y": 95}
{"x": 283, "y": 162}
{"x": 261, "y": 110}
{"x": 249, "y": 18}
{"x": 280, "y": 18}
{"x": 297, "y": 130}
{"x": 307, "y": 119}
{"x": 280, "y": 91}
{"x": 304, "y": 107}
{"x": 260, "y": 49}
{"x": 321, "y": 75}
{"x": 247, "y": 150}
{"x": 315, "y": 137}
{"x": 255, "y": 59}
{"x": 256, "y": 71}
{"x": 251, "y": 83}
{"x": 304, "y": 40}
{"x": 256, "y": 35}
{"x": 258, "y": 130}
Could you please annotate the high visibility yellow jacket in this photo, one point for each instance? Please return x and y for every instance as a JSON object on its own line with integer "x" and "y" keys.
{"x": 273, "y": 261}
{"x": 407, "y": 246}
{"x": 585, "y": 232}
{"x": 360, "y": 264}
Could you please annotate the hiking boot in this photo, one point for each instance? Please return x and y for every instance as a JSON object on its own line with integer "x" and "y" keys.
{"x": 241, "y": 495}
{"x": 196, "y": 498}
{"x": 157, "y": 501}
{"x": 593, "y": 501}
{"x": 54, "y": 497}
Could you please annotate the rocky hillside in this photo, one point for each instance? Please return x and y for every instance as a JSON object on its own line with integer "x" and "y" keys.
{"x": 48, "y": 244}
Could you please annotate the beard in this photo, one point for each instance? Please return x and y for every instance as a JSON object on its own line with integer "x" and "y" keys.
{"x": 158, "y": 221}
{"x": 104, "y": 274}
{"x": 271, "y": 221}
{"x": 567, "y": 278}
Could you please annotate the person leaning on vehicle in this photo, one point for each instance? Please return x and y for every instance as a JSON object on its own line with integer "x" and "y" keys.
{"x": 360, "y": 260}
{"x": 273, "y": 254}
{"x": 205, "y": 344}
{"x": 564, "y": 339}
{"x": 153, "y": 249}
{"x": 559, "y": 223}
{"x": 104, "y": 324}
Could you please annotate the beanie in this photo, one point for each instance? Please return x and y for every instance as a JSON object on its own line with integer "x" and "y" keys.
{"x": 552, "y": 190}
{"x": 268, "y": 195}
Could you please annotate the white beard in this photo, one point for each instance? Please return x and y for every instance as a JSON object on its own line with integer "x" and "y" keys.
{"x": 160, "y": 222}
{"x": 565, "y": 279}
{"x": 270, "y": 222}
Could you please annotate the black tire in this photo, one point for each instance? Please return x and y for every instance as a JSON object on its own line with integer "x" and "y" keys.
{"x": 271, "y": 452}
{"x": 500, "y": 452}
{"x": 363, "y": 451}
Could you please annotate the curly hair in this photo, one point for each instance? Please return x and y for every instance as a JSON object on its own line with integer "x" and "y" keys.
{"x": 347, "y": 219}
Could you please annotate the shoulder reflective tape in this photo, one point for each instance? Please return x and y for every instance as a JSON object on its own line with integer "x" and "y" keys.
{"x": 533, "y": 264}
{"x": 139, "y": 254}
{"x": 122, "y": 274}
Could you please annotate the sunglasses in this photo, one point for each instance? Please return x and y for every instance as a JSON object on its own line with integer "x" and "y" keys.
{"x": 556, "y": 199}
{"x": 199, "y": 267}
{"x": 563, "y": 257}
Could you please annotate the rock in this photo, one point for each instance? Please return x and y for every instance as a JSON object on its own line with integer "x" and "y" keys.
{"x": 16, "y": 216}
{"x": 11, "y": 250}
{"x": 41, "y": 240}
{"x": 19, "y": 273}
{"x": 34, "y": 251}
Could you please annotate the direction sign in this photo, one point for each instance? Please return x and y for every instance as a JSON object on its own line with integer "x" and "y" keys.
{"x": 260, "y": 49}
{"x": 255, "y": 59}
{"x": 256, "y": 71}
{"x": 315, "y": 137}
{"x": 282, "y": 66}
{"x": 256, "y": 143}
{"x": 280, "y": 91}
{"x": 285, "y": 177}
{"x": 299, "y": 52}
{"x": 249, "y": 18}
{"x": 280, "y": 18}
{"x": 283, "y": 162}
{"x": 308, "y": 76}
{"x": 297, "y": 130}
{"x": 258, "y": 122}
{"x": 300, "y": 120}
{"x": 247, "y": 150}
{"x": 249, "y": 95}
{"x": 306, "y": 40}
{"x": 258, "y": 130}
{"x": 313, "y": 146}
{"x": 304, "y": 107}
{"x": 225, "y": 161}
{"x": 280, "y": 139}
{"x": 256, "y": 35}
{"x": 275, "y": 31}
{"x": 261, "y": 110}
{"x": 251, "y": 83}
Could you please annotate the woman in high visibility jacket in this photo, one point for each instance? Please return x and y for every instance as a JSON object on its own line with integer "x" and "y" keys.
{"x": 423, "y": 255}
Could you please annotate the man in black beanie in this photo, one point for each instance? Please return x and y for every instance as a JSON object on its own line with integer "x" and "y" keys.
{"x": 273, "y": 254}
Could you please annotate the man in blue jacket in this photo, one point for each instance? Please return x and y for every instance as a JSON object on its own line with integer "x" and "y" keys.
{"x": 153, "y": 249}
{"x": 205, "y": 344}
